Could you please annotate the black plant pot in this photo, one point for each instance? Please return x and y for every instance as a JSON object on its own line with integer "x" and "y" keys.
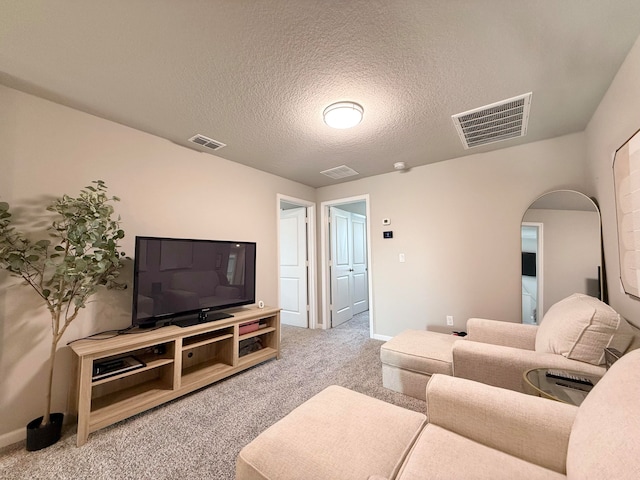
{"x": 39, "y": 437}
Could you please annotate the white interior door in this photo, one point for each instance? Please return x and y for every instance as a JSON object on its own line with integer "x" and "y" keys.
{"x": 293, "y": 267}
{"x": 360, "y": 282}
{"x": 341, "y": 269}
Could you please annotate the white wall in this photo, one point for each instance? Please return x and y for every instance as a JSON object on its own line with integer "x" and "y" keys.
{"x": 458, "y": 224}
{"x": 616, "y": 119}
{"x": 47, "y": 150}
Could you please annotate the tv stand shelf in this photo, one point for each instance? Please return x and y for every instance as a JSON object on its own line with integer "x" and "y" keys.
{"x": 177, "y": 361}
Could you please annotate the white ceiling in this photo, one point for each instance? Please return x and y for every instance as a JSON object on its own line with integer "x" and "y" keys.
{"x": 256, "y": 75}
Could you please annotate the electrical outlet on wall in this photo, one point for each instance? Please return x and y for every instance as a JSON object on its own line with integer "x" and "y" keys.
{"x": 450, "y": 320}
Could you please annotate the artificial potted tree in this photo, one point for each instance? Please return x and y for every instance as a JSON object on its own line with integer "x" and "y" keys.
{"x": 82, "y": 253}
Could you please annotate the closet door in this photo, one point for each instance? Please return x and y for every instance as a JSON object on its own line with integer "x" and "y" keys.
{"x": 359, "y": 277}
{"x": 341, "y": 266}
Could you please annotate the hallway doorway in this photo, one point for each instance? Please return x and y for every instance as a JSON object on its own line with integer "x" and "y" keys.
{"x": 296, "y": 260}
{"x": 346, "y": 286}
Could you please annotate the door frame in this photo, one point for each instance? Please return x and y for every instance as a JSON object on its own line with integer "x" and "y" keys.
{"x": 539, "y": 267}
{"x": 312, "y": 299}
{"x": 325, "y": 245}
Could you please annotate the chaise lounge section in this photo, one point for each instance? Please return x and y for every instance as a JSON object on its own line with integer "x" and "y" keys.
{"x": 572, "y": 336}
{"x": 474, "y": 431}
{"x": 336, "y": 434}
{"x": 410, "y": 358}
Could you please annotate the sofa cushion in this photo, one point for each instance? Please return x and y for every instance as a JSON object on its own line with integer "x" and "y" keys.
{"x": 420, "y": 351}
{"x": 439, "y": 453}
{"x": 336, "y": 434}
{"x": 579, "y": 327}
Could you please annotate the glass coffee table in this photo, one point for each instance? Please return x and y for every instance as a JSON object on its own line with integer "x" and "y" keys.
{"x": 564, "y": 386}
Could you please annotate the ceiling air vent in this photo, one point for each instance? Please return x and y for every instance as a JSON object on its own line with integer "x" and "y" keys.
{"x": 494, "y": 123}
{"x": 207, "y": 142}
{"x": 339, "y": 172}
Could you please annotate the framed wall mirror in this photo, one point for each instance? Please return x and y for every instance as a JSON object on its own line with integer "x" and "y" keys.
{"x": 561, "y": 251}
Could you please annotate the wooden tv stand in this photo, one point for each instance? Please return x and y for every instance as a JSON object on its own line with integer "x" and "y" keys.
{"x": 177, "y": 361}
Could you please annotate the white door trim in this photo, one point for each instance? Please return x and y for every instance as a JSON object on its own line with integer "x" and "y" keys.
{"x": 324, "y": 257}
{"x": 539, "y": 268}
{"x": 311, "y": 247}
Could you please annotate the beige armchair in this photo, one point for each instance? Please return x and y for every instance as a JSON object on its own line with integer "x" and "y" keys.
{"x": 572, "y": 336}
{"x": 498, "y": 353}
{"x": 473, "y": 431}
{"x": 478, "y": 431}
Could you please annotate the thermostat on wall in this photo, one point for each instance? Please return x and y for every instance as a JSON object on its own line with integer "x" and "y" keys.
{"x": 387, "y": 234}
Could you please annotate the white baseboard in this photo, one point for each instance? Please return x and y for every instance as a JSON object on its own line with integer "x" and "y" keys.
{"x": 10, "y": 438}
{"x": 384, "y": 338}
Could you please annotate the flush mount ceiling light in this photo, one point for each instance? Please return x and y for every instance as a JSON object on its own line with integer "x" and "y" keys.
{"x": 343, "y": 115}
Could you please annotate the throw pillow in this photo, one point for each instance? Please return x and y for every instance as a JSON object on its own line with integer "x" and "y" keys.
{"x": 579, "y": 327}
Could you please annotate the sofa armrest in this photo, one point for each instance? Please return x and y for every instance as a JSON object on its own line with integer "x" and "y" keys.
{"x": 509, "y": 334}
{"x": 504, "y": 367}
{"x": 531, "y": 428}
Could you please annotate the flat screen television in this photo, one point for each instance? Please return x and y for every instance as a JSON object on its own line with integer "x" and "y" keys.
{"x": 187, "y": 281}
{"x": 529, "y": 264}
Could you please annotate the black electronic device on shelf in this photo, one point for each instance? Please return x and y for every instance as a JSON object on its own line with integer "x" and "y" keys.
{"x": 115, "y": 366}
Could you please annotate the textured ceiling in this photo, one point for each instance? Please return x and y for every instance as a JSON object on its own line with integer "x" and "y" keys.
{"x": 256, "y": 75}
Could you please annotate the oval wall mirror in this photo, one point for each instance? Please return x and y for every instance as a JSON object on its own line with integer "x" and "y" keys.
{"x": 561, "y": 251}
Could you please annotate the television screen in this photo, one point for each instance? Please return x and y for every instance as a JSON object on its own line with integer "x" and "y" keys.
{"x": 529, "y": 264}
{"x": 176, "y": 278}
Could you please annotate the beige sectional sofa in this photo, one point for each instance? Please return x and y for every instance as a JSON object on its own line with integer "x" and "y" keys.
{"x": 572, "y": 336}
{"x": 470, "y": 431}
